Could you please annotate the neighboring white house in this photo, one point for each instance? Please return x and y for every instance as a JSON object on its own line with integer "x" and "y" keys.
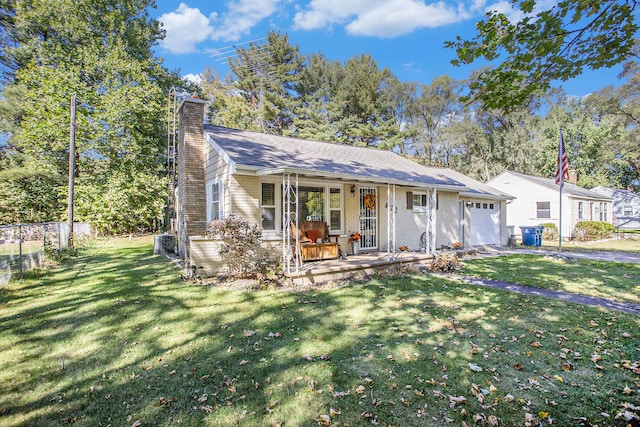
{"x": 537, "y": 201}
{"x": 626, "y": 207}
{"x": 390, "y": 200}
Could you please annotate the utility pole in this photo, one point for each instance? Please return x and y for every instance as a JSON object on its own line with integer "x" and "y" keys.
{"x": 72, "y": 167}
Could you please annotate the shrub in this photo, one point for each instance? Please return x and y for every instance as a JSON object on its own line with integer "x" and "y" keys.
{"x": 446, "y": 262}
{"x": 592, "y": 230}
{"x": 550, "y": 231}
{"x": 242, "y": 251}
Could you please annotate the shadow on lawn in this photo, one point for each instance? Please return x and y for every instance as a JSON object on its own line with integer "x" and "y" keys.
{"x": 615, "y": 281}
{"x": 138, "y": 344}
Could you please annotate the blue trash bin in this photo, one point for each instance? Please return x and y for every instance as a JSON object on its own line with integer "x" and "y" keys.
{"x": 528, "y": 236}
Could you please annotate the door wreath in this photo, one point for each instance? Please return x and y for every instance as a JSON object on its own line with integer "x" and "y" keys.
{"x": 370, "y": 201}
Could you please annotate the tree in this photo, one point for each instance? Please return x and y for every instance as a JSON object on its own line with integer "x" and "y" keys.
{"x": 431, "y": 113}
{"x": 100, "y": 51}
{"x": 266, "y": 76}
{"x": 554, "y": 44}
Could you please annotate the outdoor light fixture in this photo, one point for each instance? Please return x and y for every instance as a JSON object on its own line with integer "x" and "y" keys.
{"x": 353, "y": 189}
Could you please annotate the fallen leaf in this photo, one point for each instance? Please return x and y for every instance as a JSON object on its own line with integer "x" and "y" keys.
{"x": 558, "y": 378}
{"x": 474, "y": 367}
{"x": 324, "y": 419}
{"x": 627, "y": 390}
{"x": 508, "y": 398}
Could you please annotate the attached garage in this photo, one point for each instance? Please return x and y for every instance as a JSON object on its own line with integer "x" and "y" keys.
{"x": 484, "y": 219}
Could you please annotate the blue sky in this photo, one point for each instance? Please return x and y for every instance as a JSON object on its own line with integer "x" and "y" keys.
{"x": 405, "y": 36}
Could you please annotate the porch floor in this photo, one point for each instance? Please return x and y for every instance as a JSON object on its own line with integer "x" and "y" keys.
{"x": 354, "y": 266}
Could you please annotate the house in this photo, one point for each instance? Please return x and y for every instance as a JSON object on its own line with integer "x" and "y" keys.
{"x": 537, "y": 201}
{"x": 271, "y": 180}
{"x": 625, "y": 207}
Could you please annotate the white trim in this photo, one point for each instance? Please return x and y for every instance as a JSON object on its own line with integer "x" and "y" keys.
{"x": 209, "y": 198}
{"x": 223, "y": 154}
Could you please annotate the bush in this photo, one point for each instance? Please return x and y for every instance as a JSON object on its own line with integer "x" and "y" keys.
{"x": 446, "y": 262}
{"x": 242, "y": 251}
{"x": 592, "y": 230}
{"x": 550, "y": 231}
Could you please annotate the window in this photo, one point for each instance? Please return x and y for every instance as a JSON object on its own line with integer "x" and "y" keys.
{"x": 419, "y": 202}
{"x": 215, "y": 200}
{"x": 580, "y": 210}
{"x": 268, "y": 203}
{"x": 491, "y": 206}
{"x": 311, "y": 201}
{"x": 603, "y": 212}
{"x": 627, "y": 210}
{"x": 543, "y": 210}
{"x": 335, "y": 209}
{"x": 316, "y": 203}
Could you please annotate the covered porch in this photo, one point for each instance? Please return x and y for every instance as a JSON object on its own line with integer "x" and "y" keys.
{"x": 366, "y": 205}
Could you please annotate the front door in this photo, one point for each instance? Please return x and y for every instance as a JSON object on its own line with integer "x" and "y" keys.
{"x": 368, "y": 218}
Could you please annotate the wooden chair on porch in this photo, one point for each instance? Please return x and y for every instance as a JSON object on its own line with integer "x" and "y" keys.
{"x": 309, "y": 234}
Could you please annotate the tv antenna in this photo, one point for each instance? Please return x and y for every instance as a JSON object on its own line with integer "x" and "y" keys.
{"x": 253, "y": 57}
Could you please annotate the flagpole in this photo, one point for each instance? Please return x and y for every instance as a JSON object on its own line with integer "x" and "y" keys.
{"x": 560, "y": 224}
{"x": 561, "y": 173}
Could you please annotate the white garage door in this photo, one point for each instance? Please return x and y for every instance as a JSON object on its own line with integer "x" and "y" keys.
{"x": 485, "y": 223}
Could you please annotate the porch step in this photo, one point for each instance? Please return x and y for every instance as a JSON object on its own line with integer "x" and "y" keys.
{"x": 354, "y": 267}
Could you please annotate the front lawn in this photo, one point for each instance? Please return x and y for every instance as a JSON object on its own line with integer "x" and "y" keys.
{"x": 114, "y": 337}
{"x": 629, "y": 242}
{"x": 612, "y": 280}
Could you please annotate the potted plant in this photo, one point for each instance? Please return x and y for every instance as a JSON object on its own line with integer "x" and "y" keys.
{"x": 354, "y": 239}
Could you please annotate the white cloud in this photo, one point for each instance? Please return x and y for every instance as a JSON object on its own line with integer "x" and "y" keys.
{"x": 398, "y": 17}
{"x": 504, "y": 7}
{"x": 193, "y": 78}
{"x": 242, "y": 16}
{"x": 185, "y": 27}
{"x": 378, "y": 18}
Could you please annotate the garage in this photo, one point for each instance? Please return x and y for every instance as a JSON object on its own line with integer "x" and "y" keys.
{"x": 485, "y": 222}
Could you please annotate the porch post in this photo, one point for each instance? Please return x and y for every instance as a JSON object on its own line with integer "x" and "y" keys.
{"x": 289, "y": 194}
{"x": 391, "y": 221}
{"x": 430, "y": 216}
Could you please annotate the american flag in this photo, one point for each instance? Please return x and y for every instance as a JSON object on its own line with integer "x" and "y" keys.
{"x": 562, "y": 172}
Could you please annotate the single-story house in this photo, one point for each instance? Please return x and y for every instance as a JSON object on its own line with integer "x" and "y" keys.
{"x": 625, "y": 207}
{"x": 537, "y": 201}
{"x": 277, "y": 181}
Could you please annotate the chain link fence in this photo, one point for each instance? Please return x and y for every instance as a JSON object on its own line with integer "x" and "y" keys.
{"x": 23, "y": 246}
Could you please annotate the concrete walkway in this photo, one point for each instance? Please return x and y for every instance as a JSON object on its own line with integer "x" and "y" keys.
{"x": 565, "y": 296}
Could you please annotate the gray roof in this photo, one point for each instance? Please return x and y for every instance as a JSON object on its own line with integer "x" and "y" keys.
{"x": 618, "y": 194}
{"x": 569, "y": 188}
{"x": 265, "y": 153}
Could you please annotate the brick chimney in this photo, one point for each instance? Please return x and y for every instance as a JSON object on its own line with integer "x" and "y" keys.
{"x": 191, "y": 193}
{"x": 573, "y": 177}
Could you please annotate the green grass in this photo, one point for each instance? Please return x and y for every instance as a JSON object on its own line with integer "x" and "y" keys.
{"x": 612, "y": 280}
{"x": 114, "y": 336}
{"x": 630, "y": 243}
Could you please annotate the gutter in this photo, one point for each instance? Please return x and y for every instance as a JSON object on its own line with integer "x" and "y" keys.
{"x": 249, "y": 170}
